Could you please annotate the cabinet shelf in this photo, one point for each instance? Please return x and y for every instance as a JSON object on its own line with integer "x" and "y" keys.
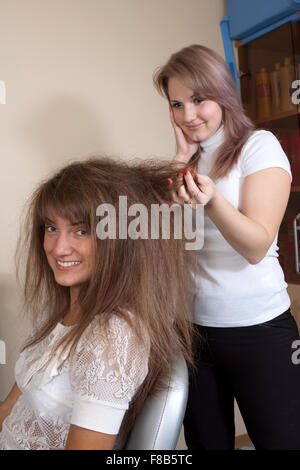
{"x": 264, "y": 52}
{"x": 277, "y": 117}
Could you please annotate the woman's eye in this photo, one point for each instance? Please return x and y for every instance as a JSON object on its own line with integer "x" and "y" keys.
{"x": 176, "y": 105}
{"x": 82, "y": 232}
{"x": 198, "y": 101}
{"x": 49, "y": 228}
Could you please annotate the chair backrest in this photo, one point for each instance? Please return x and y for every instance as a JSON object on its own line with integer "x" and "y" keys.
{"x": 159, "y": 423}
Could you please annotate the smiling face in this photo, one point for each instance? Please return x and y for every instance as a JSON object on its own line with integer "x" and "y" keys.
{"x": 69, "y": 251}
{"x": 198, "y": 118}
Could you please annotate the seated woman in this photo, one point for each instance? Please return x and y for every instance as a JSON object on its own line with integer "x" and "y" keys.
{"x": 109, "y": 314}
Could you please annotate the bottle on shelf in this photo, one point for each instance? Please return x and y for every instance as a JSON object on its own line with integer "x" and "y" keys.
{"x": 275, "y": 89}
{"x": 286, "y": 75}
{"x": 263, "y": 93}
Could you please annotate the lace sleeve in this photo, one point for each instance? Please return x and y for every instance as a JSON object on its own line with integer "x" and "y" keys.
{"x": 105, "y": 373}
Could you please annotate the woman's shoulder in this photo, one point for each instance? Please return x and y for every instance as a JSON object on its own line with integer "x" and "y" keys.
{"x": 109, "y": 346}
{"x": 114, "y": 323}
{"x": 262, "y": 150}
{"x": 261, "y": 137}
{"x": 116, "y": 329}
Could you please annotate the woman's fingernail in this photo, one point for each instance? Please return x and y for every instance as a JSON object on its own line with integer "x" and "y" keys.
{"x": 169, "y": 181}
{"x": 191, "y": 170}
{"x": 185, "y": 172}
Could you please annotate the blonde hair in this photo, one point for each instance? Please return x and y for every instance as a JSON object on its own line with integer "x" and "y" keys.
{"x": 207, "y": 74}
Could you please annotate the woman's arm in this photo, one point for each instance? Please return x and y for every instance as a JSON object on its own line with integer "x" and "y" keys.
{"x": 252, "y": 229}
{"x": 85, "y": 439}
{"x": 8, "y": 404}
{"x": 265, "y": 193}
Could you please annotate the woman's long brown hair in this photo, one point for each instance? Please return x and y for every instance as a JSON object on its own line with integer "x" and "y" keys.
{"x": 151, "y": 278}
{"x": 206, "y": 73}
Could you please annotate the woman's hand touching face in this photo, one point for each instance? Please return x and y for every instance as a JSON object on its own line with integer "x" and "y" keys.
{"x": 185, "y": 147}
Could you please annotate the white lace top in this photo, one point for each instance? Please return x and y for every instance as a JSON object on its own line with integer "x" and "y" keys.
{"x": 93, "y": 390}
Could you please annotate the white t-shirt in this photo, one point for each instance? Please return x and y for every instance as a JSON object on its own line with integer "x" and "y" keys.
{"x": 93, "y": 390}
{"x": 230, "y": 291}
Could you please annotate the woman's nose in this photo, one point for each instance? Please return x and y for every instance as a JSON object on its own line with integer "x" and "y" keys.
{"x": 62, "y": 246}
{"x": 189, "y": 113}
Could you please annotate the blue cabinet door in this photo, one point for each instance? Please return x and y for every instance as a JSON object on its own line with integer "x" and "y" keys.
{"x": 247, "y": 16}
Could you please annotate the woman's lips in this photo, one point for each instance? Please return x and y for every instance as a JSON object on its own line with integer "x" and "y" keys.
{"x": 195, "y": 127}
{"x": 66, "y": 268}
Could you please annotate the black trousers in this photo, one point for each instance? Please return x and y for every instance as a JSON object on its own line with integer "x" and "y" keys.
{"x": 255, "y": 365}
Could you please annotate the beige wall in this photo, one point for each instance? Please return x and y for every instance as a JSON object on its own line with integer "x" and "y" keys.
{"x": 78, "y": 76}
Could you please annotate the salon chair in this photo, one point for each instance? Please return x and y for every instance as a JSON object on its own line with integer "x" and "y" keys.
{"x": 159, "y": 422}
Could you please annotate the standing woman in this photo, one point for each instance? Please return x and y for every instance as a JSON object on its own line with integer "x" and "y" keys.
{"x": 242, "y": 178}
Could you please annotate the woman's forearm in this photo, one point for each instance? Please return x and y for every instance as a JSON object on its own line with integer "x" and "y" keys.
{"x": 249, "y": 238}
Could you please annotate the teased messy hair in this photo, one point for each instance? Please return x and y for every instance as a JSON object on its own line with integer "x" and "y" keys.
{"x": 151, "y": 278}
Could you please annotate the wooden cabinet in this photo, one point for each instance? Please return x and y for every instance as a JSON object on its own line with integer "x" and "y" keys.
{"x": 279, "y": 46}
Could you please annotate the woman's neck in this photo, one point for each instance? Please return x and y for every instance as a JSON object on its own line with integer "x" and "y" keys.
{"x": 72, "y": 316}
{"x": 213, "y": 141}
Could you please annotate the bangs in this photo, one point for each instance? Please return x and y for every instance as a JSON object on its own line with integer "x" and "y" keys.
{"x": 194, "y": 69}
{"x": 200, "y": 85}
{"x": 66, "y": 201}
